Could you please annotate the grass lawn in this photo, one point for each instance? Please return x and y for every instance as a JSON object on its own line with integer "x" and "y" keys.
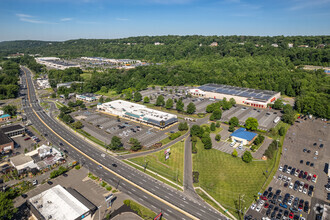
{"x": 276, "y": 128}
{"x": 86, "y": 76}
{"x": 171, "y": 169}
{"x": 168, "y": 140}
{"x": 225, "y": 177}
{"x": 110, "y": 93}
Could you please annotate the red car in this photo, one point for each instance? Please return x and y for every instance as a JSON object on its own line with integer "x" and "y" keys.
{"x": 291, "y": 215}
{"x": 266, "y": 205}
{"x": 28, "y": 138}
{"x": 263, "y": 198}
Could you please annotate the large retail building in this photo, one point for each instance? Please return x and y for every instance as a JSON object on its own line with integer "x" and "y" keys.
{"x": 247, "y": 96}
{"x": 138, "y": 113}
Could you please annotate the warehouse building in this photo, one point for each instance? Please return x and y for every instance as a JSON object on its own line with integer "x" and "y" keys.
{"x": 138, "y": 113}
{"x": 244, "y": 96}
{"x": 60, "y": 203}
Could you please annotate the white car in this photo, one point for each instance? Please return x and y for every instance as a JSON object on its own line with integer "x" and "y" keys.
{"x": 258, "y": 208}
{"x": 289, "y": 179}
{"x": 300, "y": 188}
{"x": 291, "y": 186}
{"x": 280, "y": 168}
{"x": 284, "y": 178}
{"x": 290, "y": 202}
{"x": 316, "y": 153}
{"x": 305, "y": 191}
{"x": 253, "y": 206}
{"x": 296, "y": 174}
{"x": 302, "y": 218}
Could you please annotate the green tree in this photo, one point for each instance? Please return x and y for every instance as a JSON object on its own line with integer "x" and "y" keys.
{"x": 128, "y": 93}
{"x": 108, "y": 100}
{"x": 53, "y": 96}
{"x": 160, "y": 101}
{"x": 146, "y": 99}
{"x": 135, "y": 144}
{"x": 169, "y": 104}
{"x": 232, "y": 101}
{"x": 10, "y": 109}
{"x": 206, "y": 140}
{"x": 251, "y": 124}
{"x": 101, "y": 99}
{"x": 289, "y": 115}
{"x": 217, "y": 113}
{"x": 196, "y": 130}
{"x": 278, "y": 104}
{"x": 179, "y": 105}
{"x": 247, "y": 157}
{"x": 137, "y": 97}
{"x": 183, "y": 126}
{"x": 104, "y": 90}
{"x": 218, "y": 137}
{"x": 234, "y": 121}
{"x": 116, "y": 143}
{"x": 7, "y": 209}
{"x": 77, "y": 124}
{"x": 191, "y": 108}
{"x": 234, "y": 154}
{"x": 212, "y": 126}
{"x": 281, "y": 131}
{"x": 153, "y": 87}
{"x": 67, "y": 118}
{"x": 231, "y": 128}
{"x": 217, "y": 124}
{"x": 212, "y": 117}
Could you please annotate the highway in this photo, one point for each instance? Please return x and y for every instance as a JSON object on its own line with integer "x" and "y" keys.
{"x": 146, "y": 190}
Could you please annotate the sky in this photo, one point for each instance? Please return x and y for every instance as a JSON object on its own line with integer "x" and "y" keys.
{"x": 59, "y": 20}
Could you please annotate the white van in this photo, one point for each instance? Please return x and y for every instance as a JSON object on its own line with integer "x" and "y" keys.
{"x": 233, "y": 143}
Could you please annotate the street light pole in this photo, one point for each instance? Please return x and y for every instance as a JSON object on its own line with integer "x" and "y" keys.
{"x": 99, "y": 211}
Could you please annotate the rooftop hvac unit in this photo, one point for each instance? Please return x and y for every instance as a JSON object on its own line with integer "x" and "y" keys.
{"x": 50, "y": 217}
{"x": 39, "y": 206}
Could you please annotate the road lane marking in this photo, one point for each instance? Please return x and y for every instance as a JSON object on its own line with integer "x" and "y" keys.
{"x": 111, "y": 171}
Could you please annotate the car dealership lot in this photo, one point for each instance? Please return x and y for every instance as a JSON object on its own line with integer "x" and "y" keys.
{"x": 301, "y": 145}
{"x": 265, "y": 117}
{"x": 104, "y": 127}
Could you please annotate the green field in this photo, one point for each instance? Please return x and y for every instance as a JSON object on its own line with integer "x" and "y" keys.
{"x": 171, "y": 169}
{"x": 110, "y": 93}
{"x": 225, "y": 177}
{"x": 86, "y": 76}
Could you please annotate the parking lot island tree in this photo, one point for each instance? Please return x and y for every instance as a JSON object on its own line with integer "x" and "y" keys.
{"x": 116, "y": 143}
{"x": 234, "y": 154}
{"x": 234, "y": 121}
{"x": 179, "y": 105}
{"x": 169, "y": 104}
{"x": 251, "y": 124}
{"x": 146, "y": 99}
{"x": 218, "y": 137}
{"x": 212, "y": 126}
{"x": 77, "y": 124}
{"x": 135, "y": 144}
{"x": 160, "y": 101}
{"x": 191, "y": 108}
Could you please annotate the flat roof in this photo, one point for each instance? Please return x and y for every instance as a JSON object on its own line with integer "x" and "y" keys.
{"x": 242, "y": 133}
{"x": 255, "y": 94}
{"x": 20, "y": 159}
{"x": 138, "y": 111}
{"x": 11, "y": 128}
{"x": 4, "y": 139}
{"x": 58, "y": 203}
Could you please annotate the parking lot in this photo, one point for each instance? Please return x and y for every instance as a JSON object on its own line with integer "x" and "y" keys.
{"x": 180, "y": 92}
{"x": 265, "y": 117}
{"x": 302, "y": 171}
{"x": 104, "y": 127}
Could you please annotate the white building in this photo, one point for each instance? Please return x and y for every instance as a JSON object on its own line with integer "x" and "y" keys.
{"x": 274, "y": 45}
{"x": 22, "y": 163}
{"x": 138, "y": 113}
{"x": 43, "y": 83}
{"x": 247, "y": 96}
{"x": 61, "y": 204}
{"x": 88, "y": 97}
{"x": 54, "y": 62}
{"x": 2, "y": 112}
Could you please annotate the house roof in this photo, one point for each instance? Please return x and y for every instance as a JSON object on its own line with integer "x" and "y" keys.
{"x": 4, "y": 139}
{"x": 242, "y": 133}
{"x": 4, "y": 116}
{"x": 20, "y": 160}
{"x": 11, "y": 128}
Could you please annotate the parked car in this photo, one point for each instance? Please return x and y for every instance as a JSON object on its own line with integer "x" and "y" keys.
{"x": 35, "y": 182}
{"x": 253, "y": 206}
{"x": 291, "y": 186}
{"x": 314, "y": 178}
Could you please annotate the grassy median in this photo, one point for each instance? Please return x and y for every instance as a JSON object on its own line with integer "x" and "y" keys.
{"x": 171, "y": 168}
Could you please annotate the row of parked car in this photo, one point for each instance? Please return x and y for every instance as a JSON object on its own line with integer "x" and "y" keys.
{"x": 280, "y": 207}
{"x": 298, "y": 173}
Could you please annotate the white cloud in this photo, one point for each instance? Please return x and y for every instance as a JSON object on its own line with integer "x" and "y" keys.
{"x": 31, "y": 19}
{"x": 122, "y": 19}
{"x": 303, "y": 4}
{"x": 66, "y": 19}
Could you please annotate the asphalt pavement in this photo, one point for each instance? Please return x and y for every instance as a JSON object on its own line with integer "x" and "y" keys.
{"x": 141, "y": 187}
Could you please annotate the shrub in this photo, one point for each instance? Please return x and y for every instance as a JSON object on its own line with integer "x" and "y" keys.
{"x": 194, "y": 148}
{"x": 212, "y": 126}
{"x": 175, "y": 135}
{"x": 281, "y": 131}
{"x": 218, "y": 137}
{"x": 247, "y": 157}
{"x": 259, "y": 139}
{"x": 58, "y": 172}
{"x": 103, "y": 184}
{"x": 234, "y": 154}
{"x": 217, "y": 124}
{"x": 109, "y": 188}
{"x": 77, "y": 167}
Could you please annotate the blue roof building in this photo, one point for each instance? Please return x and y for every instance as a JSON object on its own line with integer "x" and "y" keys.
{"x": 244, "y": 136}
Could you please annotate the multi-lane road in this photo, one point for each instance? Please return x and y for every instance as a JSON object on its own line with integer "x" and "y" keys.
{"x": 148, "y": 191}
